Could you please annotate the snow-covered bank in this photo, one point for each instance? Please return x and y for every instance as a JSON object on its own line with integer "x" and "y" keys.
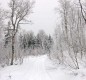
{"x": 40, "y": 68}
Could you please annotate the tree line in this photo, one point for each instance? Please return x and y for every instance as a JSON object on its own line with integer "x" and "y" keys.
{"x": 70, "y": 34}
{"x": 41, "y": 41}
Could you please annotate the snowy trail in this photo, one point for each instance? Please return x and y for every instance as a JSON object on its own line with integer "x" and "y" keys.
{"x": 33, "y": 69}
{"x": 38, "y": 71}
{"x": 36, "y": 68}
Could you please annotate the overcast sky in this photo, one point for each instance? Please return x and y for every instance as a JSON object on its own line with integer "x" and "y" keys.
{"x": 44, "y": 16}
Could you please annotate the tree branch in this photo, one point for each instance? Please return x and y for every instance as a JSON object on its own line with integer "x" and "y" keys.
{"x": 82, "y": 11}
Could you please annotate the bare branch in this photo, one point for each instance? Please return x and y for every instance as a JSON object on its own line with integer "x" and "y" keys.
{"x": 82, "y": 11}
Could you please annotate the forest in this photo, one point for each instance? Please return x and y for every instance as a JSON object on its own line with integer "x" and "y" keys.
{"x": 67, "y": 46}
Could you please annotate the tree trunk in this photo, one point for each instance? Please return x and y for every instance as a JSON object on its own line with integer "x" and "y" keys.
{"x": 12, "y": 58}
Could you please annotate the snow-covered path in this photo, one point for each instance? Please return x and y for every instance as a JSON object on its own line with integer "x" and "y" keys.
{"x": 35, "y": 68}
{"x": 38, "y": 70}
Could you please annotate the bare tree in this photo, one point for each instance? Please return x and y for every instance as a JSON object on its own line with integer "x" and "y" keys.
{"x": 19, "y": 9}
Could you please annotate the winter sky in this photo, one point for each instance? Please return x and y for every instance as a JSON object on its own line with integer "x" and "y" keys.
{"x": 44, "y": 16}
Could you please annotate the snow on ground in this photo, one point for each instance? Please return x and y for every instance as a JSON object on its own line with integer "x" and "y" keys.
{"x": 40, "y": 68}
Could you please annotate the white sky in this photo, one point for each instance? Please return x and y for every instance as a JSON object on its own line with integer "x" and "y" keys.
{"x": 44, "y": 16}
